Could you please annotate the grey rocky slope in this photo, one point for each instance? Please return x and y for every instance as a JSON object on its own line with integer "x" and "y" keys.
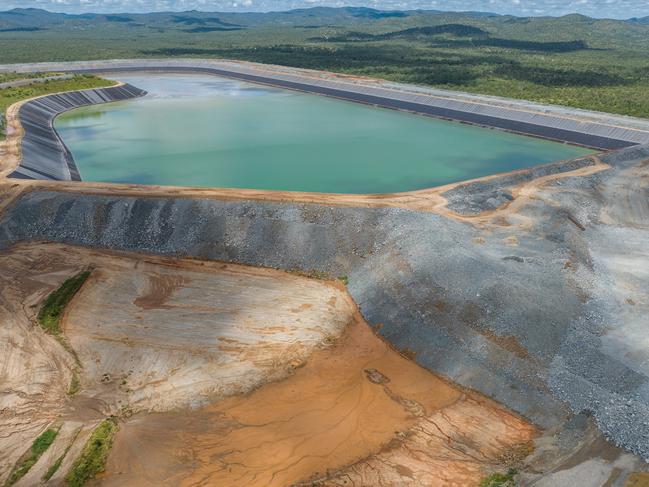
{"x": 543, "y": 308}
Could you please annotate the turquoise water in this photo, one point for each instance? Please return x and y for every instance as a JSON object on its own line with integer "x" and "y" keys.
{"x": 195, "y": 130}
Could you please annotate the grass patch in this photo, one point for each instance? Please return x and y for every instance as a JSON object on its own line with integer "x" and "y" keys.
{"x": 499, "y": 479}
{"x": 312, "y": 274}
{"x": 6, "y": 77}
{"x": 57, "y": 464}
{"x": 75, "y": 385}
{"x": 408, "y": 352}
{"x": 9, "y": 96}
{"x": 39, "y": 446}
{"x": 92, "y": 459}
{"x": 50, "y": 314}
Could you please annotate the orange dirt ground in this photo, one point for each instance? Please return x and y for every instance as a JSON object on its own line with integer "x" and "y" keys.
{"x": 350, "y": 411}
{"x": 356, "y": 414}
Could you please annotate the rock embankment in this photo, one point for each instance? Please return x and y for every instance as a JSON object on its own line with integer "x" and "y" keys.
{"x": 516, "y": 306}
{"x": 44, "y": 155}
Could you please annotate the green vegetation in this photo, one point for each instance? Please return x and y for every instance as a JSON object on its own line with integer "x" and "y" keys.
{"x": 54, "y": 468}
{"x": 500, "y": 479}
{"x": 312, "y": 274}
{"x": 92, "y": 459}
{"x": 57, "y": 464}
{"x": 52, "y": 309}
{"x": 6, "y": 77}
{"x": 573, "y": 60}
{"x": 39, "y": 446}
{"x": 74, "y": 385}
{"x": 9, "y": 96}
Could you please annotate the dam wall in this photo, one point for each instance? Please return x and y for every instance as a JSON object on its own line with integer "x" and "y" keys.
{"x": 44, "y": 155}
{"x": 519, "y": 315}
{"x": 591, "y": 129}
{"x": 534, "y": 316}
{"x": 400, "y": 265}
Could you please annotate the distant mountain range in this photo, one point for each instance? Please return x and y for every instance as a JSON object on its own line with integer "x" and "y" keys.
{"x": 32, "y": 19}
{"x": 639, "y": 20}
{"x": 36, "y": 17}
{"x": 281, "y": 37}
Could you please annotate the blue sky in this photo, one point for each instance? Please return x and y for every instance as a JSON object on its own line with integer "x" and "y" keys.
{"x": 594, "y": 8}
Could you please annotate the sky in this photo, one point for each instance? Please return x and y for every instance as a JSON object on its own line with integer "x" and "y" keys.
{"x": 620, "y": 9}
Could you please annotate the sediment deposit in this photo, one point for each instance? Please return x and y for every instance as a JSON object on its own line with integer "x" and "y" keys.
{"x": 346, "y": 403}
{"x": 197, "y": 339}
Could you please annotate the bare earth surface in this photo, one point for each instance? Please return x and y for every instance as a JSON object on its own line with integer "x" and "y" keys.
{"x": 34, "y": 369}
{"x": 359, "y": 403}
{"x": 161, "y": 334}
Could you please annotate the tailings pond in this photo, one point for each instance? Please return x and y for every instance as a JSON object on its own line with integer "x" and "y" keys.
{"x": 201, "y": 130}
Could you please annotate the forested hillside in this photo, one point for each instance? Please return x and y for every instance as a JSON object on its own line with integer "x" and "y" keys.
{"x": 572, "y": 60}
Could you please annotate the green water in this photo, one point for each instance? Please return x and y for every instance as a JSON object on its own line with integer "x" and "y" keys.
{"x": 209, "y": 131}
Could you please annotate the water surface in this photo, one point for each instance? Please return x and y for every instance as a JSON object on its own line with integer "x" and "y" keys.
{"x": 199, "y": 130}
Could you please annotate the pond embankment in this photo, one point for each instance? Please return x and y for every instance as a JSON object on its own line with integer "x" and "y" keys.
{"x": 591, "y": 129}
{"x": 44, "y": 155}
{"x": 524, "y": 306}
